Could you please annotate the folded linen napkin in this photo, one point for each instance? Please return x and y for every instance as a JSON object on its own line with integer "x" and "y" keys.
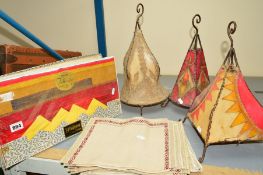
{"x": 132, "y": 146}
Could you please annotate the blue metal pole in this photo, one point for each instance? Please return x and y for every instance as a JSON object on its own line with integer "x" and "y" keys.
{"x": 28, "y": 34}
{"x": 101, "y": 37}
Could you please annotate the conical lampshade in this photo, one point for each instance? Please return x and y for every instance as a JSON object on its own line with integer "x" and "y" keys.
{"x": 141, "y": 73}
{"x": 227, "y": 111}
{"x": 193, "y": 77}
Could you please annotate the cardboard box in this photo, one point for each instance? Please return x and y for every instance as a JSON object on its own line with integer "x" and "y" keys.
{"x": 15, "y": 58}
{"x": 42, "y": 106}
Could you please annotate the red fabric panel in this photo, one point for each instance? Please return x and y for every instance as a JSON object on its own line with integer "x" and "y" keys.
{"x": 253, "y": 108}
{"x": 50, "y": 108}
{"x": 195, "y": 68}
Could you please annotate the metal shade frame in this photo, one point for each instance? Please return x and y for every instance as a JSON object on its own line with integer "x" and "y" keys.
{"x": 231, "y": 61}
{"x": 140, "y": 11}
{"x": 193, "y": 46}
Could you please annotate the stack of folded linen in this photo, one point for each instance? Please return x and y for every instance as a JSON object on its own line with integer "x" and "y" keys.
{"x": 132, "y": 146}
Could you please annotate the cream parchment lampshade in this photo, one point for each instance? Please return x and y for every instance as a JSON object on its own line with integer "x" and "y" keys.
{"x": 141, "y": 72}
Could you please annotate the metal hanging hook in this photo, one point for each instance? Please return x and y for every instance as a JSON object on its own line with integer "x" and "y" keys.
{"x": 231, "y": 30}
{"x": 197, "y": 19}
{"x": 140, "y": 10}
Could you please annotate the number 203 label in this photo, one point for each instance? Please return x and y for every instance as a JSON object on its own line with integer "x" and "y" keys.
{"x": 16, "y": 126}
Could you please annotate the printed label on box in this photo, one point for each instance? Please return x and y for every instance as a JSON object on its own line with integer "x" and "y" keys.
{"x": 16, "y": 126}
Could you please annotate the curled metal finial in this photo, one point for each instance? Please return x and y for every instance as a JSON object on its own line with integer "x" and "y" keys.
{"x": 140, "y": 10}
{"x": 231, "y": 30}
{"x": 197, "y": 19}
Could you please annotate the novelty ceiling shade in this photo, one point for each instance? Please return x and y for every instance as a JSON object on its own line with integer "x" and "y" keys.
{"x": 41, "y": 106}
{"x": 193, "y": 76}
{"x": 141, "y": 72}
{"x": 227, "y": 111}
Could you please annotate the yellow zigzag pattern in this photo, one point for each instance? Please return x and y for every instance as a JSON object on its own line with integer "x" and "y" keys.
{"x": 42, "y": 124}
{"x": 241, "y": 118}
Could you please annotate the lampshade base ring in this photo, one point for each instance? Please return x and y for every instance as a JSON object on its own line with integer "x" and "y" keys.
{"x": 148, "y": 105}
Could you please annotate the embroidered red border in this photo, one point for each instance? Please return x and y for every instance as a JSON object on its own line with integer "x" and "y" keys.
{"x": 166, "y": 135}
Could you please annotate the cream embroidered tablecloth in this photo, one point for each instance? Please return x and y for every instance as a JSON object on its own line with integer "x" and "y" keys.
{"x": 132, "y": 146}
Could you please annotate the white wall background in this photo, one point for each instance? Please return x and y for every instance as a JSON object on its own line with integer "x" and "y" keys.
{"x": 167, "y": 26}
{"x": 61, "y": 24}
{"x": 70, "y": 24}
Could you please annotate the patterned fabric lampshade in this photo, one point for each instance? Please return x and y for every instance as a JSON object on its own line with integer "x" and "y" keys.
{"x": 226, "y": 111}
{"x": 193, "y": 77}
{"x": 141, "y": 72}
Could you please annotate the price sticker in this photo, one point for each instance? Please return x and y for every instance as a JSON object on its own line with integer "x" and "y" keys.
{"x": 112, "y": 91}
{"x": 16, "y": 126}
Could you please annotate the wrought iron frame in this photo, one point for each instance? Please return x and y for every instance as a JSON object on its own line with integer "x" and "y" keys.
{"x": 229, "y": 60}
{"x": 140, "y": 11}
{"x": 193, "y": 46}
